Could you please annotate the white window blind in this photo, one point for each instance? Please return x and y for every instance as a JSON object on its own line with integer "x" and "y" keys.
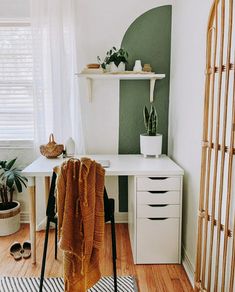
{"x": 16, "y": 83}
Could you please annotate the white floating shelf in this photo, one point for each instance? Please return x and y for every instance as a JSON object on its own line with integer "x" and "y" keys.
{"x": 128, "y": 76}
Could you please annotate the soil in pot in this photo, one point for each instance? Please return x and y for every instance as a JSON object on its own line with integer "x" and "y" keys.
{"x": 7, "y": 206}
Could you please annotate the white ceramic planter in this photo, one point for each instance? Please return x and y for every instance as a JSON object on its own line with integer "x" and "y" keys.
{"x": 151, "y": 145}
{"x": 138, "y": 66}
{"x": 10, "y": 220}
{"x": 120, "y": 68}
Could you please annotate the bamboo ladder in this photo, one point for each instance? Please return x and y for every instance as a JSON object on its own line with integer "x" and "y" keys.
{"x": 215, "y": 261}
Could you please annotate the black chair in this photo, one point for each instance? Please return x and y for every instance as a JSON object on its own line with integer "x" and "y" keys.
{"x": 109, "y": 208}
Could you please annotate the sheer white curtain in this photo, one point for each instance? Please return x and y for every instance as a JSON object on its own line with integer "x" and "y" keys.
{"x": 57, "y": 104}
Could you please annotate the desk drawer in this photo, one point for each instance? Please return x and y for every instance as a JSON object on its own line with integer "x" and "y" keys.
{"x": 158, "y": 183}
{"x": 158, "y": 211}
{"x": 157, "y": 241}
{"x": 158, "y": 197}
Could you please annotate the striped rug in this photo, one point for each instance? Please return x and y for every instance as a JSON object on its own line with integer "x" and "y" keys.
{"x": 13, "y": 284}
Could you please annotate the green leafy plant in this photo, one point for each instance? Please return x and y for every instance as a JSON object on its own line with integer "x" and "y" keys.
{"x": 114, "y": 55}
{"x": 11, "y": 179}
{"x": 150, "y": 120}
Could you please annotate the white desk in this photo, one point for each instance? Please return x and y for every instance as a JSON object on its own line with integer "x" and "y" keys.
{"x": 120, "y": 165}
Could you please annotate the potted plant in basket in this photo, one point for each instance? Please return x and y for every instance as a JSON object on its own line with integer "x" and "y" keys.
{"x": 11, "y": 180}
{"x": 115, "y": 60}
{"x": 150, "y": 142}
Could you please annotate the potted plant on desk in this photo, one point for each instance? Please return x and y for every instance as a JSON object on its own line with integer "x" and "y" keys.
{"x": 151, "y": 141}
{"x": 11, "y": 180}
{"x": 115, "y": 60}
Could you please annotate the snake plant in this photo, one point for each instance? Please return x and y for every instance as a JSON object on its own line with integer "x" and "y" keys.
{"x": 150, "y": 120}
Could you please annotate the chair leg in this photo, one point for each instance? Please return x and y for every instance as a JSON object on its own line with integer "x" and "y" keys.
{"x": 44, "y": 254}
{"x": 114, "y": 252}
{"x": 56, "y": 230}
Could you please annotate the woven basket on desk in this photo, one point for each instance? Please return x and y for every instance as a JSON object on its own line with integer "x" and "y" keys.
{"x": 51, "y": 150}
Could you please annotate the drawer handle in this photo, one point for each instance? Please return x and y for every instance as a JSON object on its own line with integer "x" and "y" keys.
{"x": 157, "y": 219}
{"x": 158, "y": 178}
{"x": 153, "y": 205}
{"x": 158, "y": 192}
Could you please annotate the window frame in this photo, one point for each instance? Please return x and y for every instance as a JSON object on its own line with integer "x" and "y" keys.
{"x": 16, "y": 143}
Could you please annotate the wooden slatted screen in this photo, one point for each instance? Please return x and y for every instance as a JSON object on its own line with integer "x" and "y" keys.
{"x": 215, "y": 259}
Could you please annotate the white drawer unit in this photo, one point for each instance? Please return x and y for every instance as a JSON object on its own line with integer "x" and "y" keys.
{"x": 154, "y": 217}
{"x": 158, "y": 183}
{"x": 158, "y": 211}
{"x": 158, "y": 197}
{"x": 157, "y": 240}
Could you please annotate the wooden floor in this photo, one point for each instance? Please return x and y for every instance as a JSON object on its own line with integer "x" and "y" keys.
{"x": 150, "y": 278}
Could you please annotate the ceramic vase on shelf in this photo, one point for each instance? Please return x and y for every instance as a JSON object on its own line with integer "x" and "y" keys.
{"x": 70, "y": 147}
{"x": 138, "y": 66}
{"x": 119, "y": 68}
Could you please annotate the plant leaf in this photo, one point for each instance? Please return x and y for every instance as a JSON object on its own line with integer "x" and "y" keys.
{"x": 3, "y": 164}
{"x": 23, "y": 182}
{"x": 18, "y": 185}
{"x": 146, "y": 118}
{"x": 10, "y": 181}
{"x": 10, "y": 164}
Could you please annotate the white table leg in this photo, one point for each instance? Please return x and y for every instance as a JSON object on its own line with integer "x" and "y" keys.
{"x": 32, "y": 211}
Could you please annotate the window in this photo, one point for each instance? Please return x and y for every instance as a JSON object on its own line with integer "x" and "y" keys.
{"x": 16, "y": 85}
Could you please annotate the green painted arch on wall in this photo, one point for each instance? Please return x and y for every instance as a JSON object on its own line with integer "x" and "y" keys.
{"x": 147, "y": 39}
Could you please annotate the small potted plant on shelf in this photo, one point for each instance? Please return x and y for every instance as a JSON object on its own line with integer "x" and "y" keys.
{"x": 115, "y": 60}
{"x": 151, "y": 141}
{"x": 11, "y": 180}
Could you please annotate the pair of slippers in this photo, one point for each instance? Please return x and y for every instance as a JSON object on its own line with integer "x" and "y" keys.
{"x": 18, "y": 251}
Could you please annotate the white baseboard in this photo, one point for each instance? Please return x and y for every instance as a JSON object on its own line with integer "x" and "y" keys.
{"x": 188, "y": 266}
{"x": 24, "y": 217}
{"x": 120, "y": 217}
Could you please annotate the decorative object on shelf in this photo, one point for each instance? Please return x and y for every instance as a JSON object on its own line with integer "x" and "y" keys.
{"x": 114, "y": 61}
{"x": 150, "y": 142}
{"x": 147, "y": 68}
{"x": 70, "y": 147}
{"x": 51, "y": 149}
{"x": 120, "y": 68}
{"x": 93, "y": 66}
{"x": 11, "y": 180}
{"x": 138, "y": 66}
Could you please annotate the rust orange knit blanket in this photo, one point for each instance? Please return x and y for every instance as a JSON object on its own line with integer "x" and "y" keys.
{"x": 80, "y": 193}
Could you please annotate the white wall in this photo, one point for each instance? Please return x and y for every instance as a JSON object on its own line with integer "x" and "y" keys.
{"x": 14, "y": 8}
{"x": 186, "y": 106}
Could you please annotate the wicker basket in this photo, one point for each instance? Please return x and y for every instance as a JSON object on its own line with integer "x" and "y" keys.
{"x": 51, "y": 150}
